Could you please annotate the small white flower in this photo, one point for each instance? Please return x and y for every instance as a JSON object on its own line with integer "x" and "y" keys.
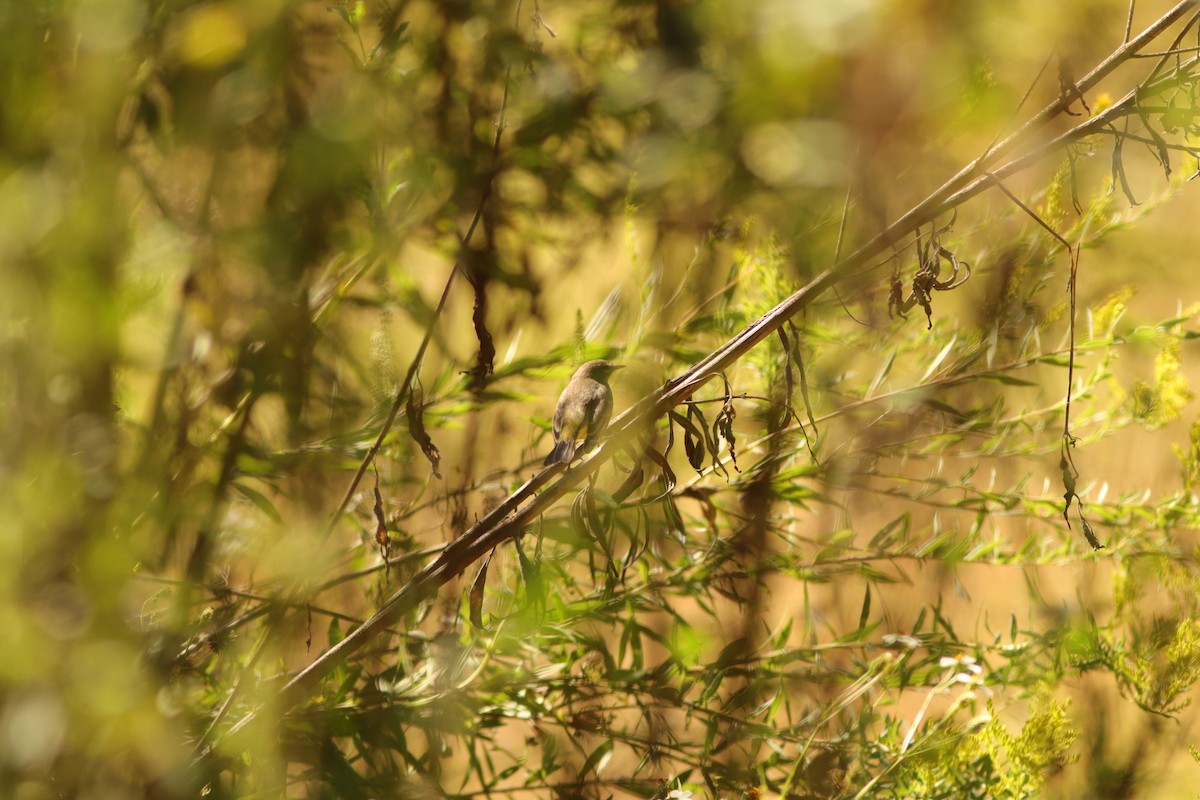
{"x": 969, "y": 672}
{"x": 679, "y": 794}
{"x": 960, "y": 660}
{"x": 900, "y": 641}
{"x": 974, "y": 681}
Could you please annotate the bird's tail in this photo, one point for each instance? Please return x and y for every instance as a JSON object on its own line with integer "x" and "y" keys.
{"x": 562, "y": 453}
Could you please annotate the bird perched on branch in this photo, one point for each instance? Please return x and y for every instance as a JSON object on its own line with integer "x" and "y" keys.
{"x": 584, "y": 409}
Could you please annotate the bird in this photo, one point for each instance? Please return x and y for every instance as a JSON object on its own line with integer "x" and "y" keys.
{"x": 583, "y": 410}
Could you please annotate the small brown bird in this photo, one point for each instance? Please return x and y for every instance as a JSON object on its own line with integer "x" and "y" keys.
{"x": 583, "y": 409}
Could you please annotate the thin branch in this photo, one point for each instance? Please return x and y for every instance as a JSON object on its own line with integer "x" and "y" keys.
{"x": 837, "y": 254}
{"x": 405, "y": 388}
{"x": 1033, "y": 214}
{"x": 414, "y": 367}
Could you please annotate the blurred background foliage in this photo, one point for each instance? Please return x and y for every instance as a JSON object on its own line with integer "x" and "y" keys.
{"x": 842, "y": 570}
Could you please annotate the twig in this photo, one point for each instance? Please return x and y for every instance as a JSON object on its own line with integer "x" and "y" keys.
{"x": 405, "y": 388}
{"x": 414, "y": 367}
{"x": 837, "y": 254}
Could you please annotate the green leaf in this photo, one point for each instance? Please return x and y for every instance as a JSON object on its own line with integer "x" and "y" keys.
{"x": 865, "y": 614}
{"x": 598, "y": 758}
{"x": 1006, "y": 379}
{"x": 939, "y": 358}
{"x": 258, "y": 499}
{"x": 882, "y": 374}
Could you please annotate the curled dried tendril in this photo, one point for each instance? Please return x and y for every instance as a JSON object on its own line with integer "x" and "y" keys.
{"x": 928, "y": 279}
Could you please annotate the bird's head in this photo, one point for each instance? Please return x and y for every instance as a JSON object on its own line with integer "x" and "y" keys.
{"x": 598, "y": 370}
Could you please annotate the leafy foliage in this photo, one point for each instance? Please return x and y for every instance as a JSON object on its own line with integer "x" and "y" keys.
{"x": 290, "y": 289}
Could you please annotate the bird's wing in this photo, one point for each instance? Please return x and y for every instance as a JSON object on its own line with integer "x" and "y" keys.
{"x": 556, "y": 424}
{"x": 599, "y": 411}
{"x": 571, "y": 416}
